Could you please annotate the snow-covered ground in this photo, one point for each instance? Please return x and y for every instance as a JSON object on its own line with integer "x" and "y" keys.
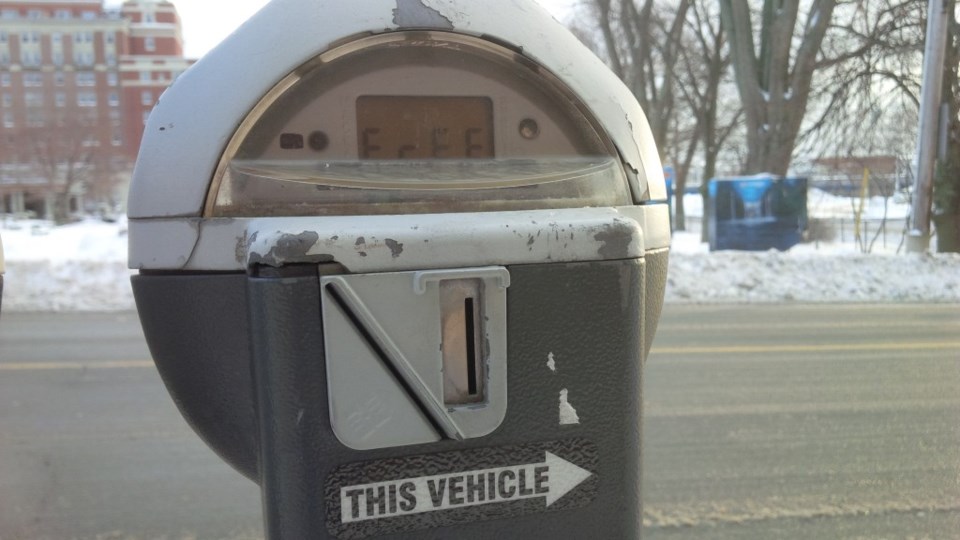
{"x": 78, "y": 267}
{"x": 828, "y": 271}
{"x": 82, "y": 267}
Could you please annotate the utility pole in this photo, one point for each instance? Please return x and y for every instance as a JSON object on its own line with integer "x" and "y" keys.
{"x": 918, "y": 239}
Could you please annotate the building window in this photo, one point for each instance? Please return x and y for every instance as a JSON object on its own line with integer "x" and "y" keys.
{"x": 63, "y": 14}
{"x": 33, "y": 99}
{"x": 4, "y": 58}
{"x": 61, "y": 99}
{"x": 115, "y": 116}
{"x": 83, "y": 37}
{"x": 86, "y": 99}
{"x": 89, "y": 15}
{"x": 9, "y": 14}
{"x": 146, "y": 117}
{"x": 4, "y": 37}
{"x": 5, "y": 78}
{"x": 59, "y": 78}
{"x": 117, "y": 138}
{"x": 58, "y": 58}
{"x": 149, "y": 17}
{"x": 7, "y": 100}
{"x": 111, "y": 78}
{"x": 57, "y": 38}
{"x": 110, "y": 38}
{"x": 34, "y": 14}
{"x": 111, "y": 59}
{"x": 114, "y": 99}
{"x": 31, "y": 78}
{"x": 146, "y": 97}
{"x": 83, "y": 58}
{"x": 30, "y": 58}
{"x": 8, "y": 121}
{"x": 86, "y": 78}
{"x": 149, "y": 44}
{"x": 35, "y": 118}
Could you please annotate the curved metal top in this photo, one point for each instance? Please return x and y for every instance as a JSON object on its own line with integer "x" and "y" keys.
{"x": 196, "y": 117}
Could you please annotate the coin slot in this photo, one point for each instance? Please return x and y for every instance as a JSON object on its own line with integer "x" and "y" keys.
{"x": 470, "y": 329}
{"x": 461, "y": 348}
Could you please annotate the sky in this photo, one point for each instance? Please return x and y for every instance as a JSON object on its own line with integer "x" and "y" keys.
{"x": 207, "y": 22}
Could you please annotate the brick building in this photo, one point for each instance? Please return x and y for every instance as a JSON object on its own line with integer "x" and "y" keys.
{"x": 844, "y": 175}
{"x": 77, "y": 82}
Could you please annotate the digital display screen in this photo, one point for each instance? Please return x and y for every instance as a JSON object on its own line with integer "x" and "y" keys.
{"x": 424, "y": 127}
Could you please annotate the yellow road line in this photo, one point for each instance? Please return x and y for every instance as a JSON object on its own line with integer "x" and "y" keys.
{"x": 51, "y": 366}
{"x": 727, "y": 349}
{"x": 828, "y": 325}
{"x": 839, "y": 347}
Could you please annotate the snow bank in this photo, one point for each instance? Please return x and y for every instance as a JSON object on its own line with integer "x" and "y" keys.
{"x": 78, "y": 267}
{"x": 764, "y": 277}
{"x": 82, "y": 267}
{"x": 67, "y": 286}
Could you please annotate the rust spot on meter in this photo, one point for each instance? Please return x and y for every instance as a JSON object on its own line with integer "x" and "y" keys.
{"x": 240, "y": 250}
{"x": 396, "y": 248}
{"x": 292, "y": 248}
{"x": 616, "y": 241}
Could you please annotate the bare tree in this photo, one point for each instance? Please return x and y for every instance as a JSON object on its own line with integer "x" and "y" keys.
{"x": 705, "y": 60}
{"x": 673, "y": 56}
{"x": 868, "y": 75}
{"x": 66, "y": 157}
{"x": 774, "y": 81}
{"x": 641, "y": 46}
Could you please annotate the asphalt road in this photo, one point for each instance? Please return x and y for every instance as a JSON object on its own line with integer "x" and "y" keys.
{"x": 804, "y": 422}
{"x": 761, "y": 422}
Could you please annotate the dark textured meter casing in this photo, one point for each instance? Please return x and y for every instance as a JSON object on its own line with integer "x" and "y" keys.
{"x": 266, "y": 413}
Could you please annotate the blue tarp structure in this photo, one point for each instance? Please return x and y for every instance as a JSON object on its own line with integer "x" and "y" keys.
{"x": 668, "y": 176}
{"x": 757, "y": 213}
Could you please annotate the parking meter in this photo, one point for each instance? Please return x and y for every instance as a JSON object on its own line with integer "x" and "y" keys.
{"x": 400, "y": 263}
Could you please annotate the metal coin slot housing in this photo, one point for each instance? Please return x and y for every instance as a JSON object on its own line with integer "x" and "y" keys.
{"x": 460, "y": 324}
{"x": 418, "y": 357}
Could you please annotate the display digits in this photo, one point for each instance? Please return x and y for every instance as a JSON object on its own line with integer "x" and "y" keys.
{"x": 431, "y": 127}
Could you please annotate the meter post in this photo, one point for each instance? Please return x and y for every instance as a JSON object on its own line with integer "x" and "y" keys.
{"x": 404, "y": 275}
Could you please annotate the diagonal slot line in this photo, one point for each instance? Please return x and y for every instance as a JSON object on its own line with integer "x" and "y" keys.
{"x": 396, "y": 365}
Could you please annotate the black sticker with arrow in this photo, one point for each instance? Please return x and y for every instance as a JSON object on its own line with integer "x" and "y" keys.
{"x": 428, "y": 491}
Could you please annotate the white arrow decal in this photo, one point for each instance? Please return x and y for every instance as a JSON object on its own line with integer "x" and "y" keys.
{"x": 551, "y": 479}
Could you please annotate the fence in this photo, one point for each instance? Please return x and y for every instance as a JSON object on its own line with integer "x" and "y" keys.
{"x": 889, "y": 232}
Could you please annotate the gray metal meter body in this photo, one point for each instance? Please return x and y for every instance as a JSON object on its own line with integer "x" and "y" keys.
{"x": 400, "y": 262}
